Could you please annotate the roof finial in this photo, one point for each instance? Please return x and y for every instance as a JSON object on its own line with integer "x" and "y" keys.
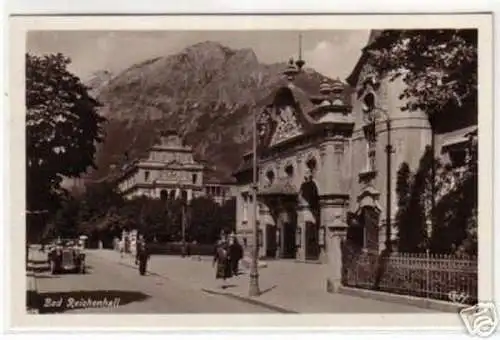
{"x": 300, "y": 63}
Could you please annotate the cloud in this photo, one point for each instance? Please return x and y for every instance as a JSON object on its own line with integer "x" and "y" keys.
{"x": 336, "y": 57}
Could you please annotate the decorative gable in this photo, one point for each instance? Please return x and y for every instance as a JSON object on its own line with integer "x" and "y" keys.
{"x": 287, "y": 125}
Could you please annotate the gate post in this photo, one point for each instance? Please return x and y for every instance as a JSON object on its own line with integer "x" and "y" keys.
{"x": 334, "y": 212}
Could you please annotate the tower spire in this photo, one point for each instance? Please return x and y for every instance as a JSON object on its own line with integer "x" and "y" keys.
{"x": 300, "y": 63}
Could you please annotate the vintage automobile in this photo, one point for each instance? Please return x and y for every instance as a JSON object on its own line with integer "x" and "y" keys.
{"x": 66, "y": 256}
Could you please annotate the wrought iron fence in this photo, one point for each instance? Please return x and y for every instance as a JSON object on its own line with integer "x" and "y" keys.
{"x": 442, "y": 277}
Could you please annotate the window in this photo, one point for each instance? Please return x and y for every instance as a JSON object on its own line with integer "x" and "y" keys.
{"x": 195, "y": 178}
{"x": 368, "y": 103}
{"x": 289, "y": 171}
{"x": 146, "y": 176}
{"x": 163, "y": 195}
{"x": 371, "y": 160}
{"x": 270, "y": 177}
{"x": 245, "y": 207}
{"x": 311, "y": 167}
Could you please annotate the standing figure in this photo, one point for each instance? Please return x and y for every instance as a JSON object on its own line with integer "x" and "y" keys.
{"x": 142, "y": 256}
{"x": 235, "y": 255}
{"x": 222, "y": 259}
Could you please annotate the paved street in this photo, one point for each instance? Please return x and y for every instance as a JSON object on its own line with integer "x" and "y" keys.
{"x": 134, "y": 293}
{"x": 285, "y": 285}
{"x": 187, "y": 285}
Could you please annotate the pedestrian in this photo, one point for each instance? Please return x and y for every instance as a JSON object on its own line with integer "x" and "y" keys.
{"x": 121, "y": 245}
{"x": 138, "y": 244}
{"x": 143, "y": 256}
{"x": 235, "y": 254}
{"x": 222, "y": 259}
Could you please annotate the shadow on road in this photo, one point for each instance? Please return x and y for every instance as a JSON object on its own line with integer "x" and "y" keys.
{"x": 59, "y": 302}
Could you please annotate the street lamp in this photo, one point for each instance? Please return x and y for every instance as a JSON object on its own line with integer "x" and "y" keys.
{"x": 184, "y": 208}
{"x": 254, "y": 289}
{"x": 389, "y": 151}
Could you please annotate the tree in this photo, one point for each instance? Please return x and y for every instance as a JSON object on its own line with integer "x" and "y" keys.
{"x": 66, "y": 219}
{"x": 412, "y": 218}
{"x": 438, "y": 67}
{"x": 63, "y": 127}
{"x": 403, "y": 192}
{"x": 98, "y": 199}
{"x": 456, "y": 211}
{"x": 439, "y": 71}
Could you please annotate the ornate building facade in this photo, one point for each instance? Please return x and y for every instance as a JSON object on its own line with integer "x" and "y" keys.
{"x": 170, "y": 171}
{"x": 327, "y": 165}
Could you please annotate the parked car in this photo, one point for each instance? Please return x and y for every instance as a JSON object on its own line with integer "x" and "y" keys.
{"x": 67, "y": 256}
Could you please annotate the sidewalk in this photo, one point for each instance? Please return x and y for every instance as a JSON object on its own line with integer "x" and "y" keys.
{"x": 286, "y": 286}
{"x": 36, "y": 260}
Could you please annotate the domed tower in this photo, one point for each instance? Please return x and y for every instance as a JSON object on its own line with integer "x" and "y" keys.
{"x": 333, "y": 102}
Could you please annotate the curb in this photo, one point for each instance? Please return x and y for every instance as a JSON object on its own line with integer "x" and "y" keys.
{"x": 442, "y": 306}
{"x": 250, "y": 301}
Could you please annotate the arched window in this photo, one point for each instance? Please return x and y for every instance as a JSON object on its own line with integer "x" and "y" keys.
{"x": 270, "y": 177}
{"x": 184, "y": 195}
{"x": 195, "y": 178}
{"x": 163, "y": 195}
{"x": 289, "y": 171}
{"x": 311, "y": 167}
{"x": 172, "y": 194}
{"x": 368, "y": 102}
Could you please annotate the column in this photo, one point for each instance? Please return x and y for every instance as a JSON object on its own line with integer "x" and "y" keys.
{"x": 301, "y": 224}
{"x": 279, "y": 226}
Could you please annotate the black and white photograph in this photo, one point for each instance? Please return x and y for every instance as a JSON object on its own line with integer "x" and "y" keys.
{"x": 298, "y": 171}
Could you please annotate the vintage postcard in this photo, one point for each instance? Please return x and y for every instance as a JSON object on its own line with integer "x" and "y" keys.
{"x": 208, "y": 172}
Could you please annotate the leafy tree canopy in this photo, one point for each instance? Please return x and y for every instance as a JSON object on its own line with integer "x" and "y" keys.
{"x": 63, "y": 127}
{"x": 438, "y": 67}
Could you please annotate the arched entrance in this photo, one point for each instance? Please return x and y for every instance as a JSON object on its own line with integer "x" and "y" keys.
{"x": 281, "y": 199}
{"x": 309, "y": 193}
{"x": 288, "y": 219}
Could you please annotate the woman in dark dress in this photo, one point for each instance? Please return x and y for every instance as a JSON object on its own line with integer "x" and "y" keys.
{"x": 235, "y": 254}
{"x": 222, "y": 259}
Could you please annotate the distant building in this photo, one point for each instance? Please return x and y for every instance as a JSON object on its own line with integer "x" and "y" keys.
{"x": 170, "y": 171}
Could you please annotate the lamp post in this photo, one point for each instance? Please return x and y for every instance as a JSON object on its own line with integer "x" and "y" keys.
{"x": 389, "y": 151}
{"x": 184, "y": 211}
{"x": 388, "y": 218}
{"x": 254, "y": 289}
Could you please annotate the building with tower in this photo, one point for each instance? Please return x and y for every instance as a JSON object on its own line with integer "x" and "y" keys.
{"x": 170, "y": 171}
{"x": 327, "y": 164}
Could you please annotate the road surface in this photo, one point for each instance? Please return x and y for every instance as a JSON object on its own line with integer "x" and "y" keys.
{"x": 111, "y": 287}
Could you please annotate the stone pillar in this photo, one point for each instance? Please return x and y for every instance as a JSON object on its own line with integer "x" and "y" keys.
{"x": 301, "y": 225}
{"x": 333, "y": 216}
{"x": 278, "y": 241}
{"x": 334, "y": 203}
{"x": 280, "y": 227}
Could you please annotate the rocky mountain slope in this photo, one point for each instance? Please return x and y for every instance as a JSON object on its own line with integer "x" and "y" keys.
{"x": 207, "y": 92}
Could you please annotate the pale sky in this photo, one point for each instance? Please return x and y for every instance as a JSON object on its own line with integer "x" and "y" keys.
{"x": 333, "y": 53}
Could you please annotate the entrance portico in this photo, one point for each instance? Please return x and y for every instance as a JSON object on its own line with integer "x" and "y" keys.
{"x": 301, "y": 174}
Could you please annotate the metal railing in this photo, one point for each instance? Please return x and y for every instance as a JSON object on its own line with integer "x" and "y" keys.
{"x": 442, "y": 277}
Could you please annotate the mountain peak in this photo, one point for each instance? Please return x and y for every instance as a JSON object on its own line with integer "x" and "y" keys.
{"x": 207, "y": 92}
